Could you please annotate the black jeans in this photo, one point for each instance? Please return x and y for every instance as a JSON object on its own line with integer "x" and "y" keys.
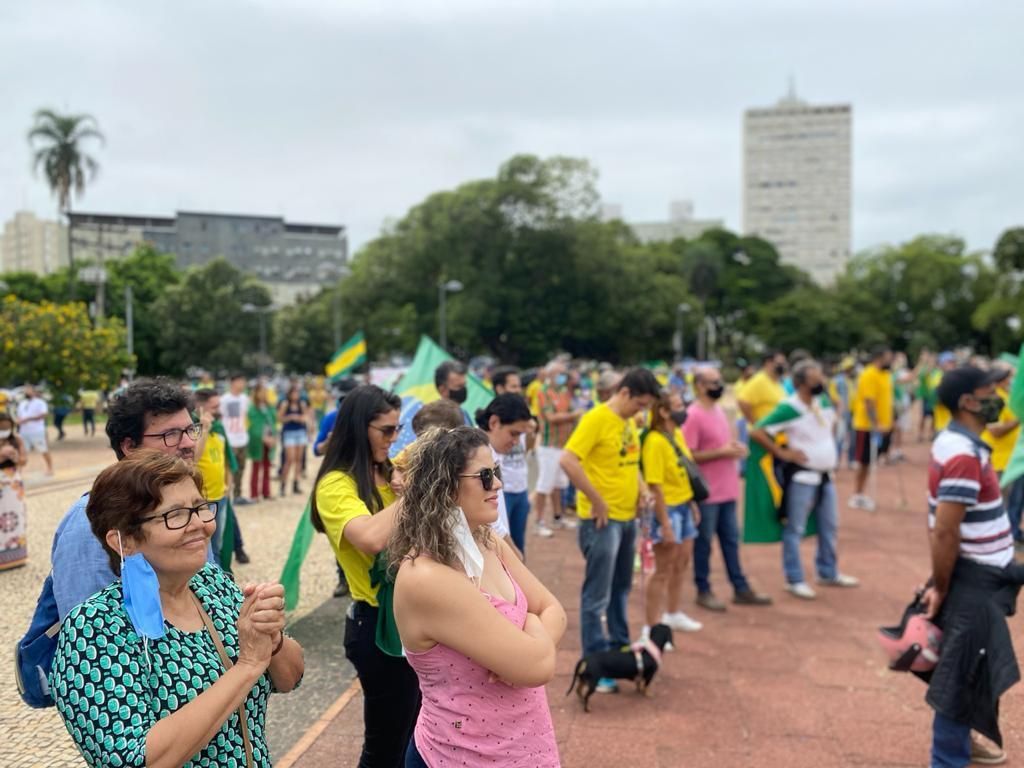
{"x": 391, "y": 692}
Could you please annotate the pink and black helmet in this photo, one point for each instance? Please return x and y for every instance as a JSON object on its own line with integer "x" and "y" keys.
{"x": 913, "y": 645}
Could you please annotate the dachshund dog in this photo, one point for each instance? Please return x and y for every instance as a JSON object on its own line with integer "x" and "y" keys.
{"x": 639, "y": 663}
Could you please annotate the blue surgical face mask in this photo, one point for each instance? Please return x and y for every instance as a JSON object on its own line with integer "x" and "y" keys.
{"x": 561, "y": 380}
{"x": 141, "y": 590}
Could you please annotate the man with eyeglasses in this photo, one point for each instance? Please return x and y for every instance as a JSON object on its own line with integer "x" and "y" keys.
{"x": 150, "y": 414}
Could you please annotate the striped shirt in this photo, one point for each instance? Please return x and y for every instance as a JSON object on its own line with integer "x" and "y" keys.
{"x": 961, "y": 473}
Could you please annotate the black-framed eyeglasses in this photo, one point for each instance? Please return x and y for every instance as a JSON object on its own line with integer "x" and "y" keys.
{"x": 389, "y": 431}
{"x": 177, "y": 518}
{"x": 172, "y": 437}
{"x": 487, "y": 476}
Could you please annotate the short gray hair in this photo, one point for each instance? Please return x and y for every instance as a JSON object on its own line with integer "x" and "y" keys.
{"x": 801, "y": 369}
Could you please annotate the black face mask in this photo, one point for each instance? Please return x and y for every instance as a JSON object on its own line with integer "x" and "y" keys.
{"x": 818, "y": 389}
{"x": 7, "y": 463}
{"x": 886, "y": 367}
{"x": 715, "y": 392}
{"x": 991, "y": 407}
{"x": 458, "y": 395}
{"x": 780, "y": 369}
{"x": 679, "y": 417}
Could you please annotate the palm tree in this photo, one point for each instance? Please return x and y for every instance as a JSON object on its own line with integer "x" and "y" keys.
{"x": 57, "y": 143}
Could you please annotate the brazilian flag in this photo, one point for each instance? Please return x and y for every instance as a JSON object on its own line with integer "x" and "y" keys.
{"x": 763, "y": 494}
{"x": 349, "y": 356}
{"x": 1015, "y": 468}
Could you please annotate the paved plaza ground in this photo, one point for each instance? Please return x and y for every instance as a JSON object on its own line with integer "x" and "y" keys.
{"x": 797, "y": 684}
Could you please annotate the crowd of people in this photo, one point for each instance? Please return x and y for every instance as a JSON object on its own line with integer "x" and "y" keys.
{"x": 452, "y": 637}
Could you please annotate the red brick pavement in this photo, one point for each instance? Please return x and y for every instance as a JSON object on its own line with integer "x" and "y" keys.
{"x": 797, "y": 684}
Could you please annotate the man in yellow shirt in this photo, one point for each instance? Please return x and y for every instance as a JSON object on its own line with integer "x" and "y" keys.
{"x": 213, "y": 462}
{"x": 872, "y": 413}
{"x": 763, "y": 391}
{"x": 942, "y": 416}
{"x": 602, "y": 459}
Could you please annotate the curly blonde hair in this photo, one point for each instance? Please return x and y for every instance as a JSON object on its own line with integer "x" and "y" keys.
{"x": 429, "y": 510}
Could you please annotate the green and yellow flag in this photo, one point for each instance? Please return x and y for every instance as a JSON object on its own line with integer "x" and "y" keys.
{"x": 349, "y": 356}
{"x": 1015, "y": 468}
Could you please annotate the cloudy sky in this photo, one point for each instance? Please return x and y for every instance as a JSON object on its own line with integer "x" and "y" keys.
{"x": 350, "y": 111}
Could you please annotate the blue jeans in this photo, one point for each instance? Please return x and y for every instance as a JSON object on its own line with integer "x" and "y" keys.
{"x": 413, "y": 759}
{"x": 799, "y": 506}
{"x": 1014, "y": 505}
{"x": 218, "y": 532}
{"x": 951, "y": 743}
{"x": 518, "y": 507}
{"x": 609, "y": 553}
{"x": 718, "y": 519}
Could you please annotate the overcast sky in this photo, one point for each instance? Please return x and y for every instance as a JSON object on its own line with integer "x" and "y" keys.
{"x": 351, "y": 112}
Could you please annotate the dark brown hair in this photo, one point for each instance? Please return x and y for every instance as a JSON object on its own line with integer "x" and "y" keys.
{"x": 443, "y": 414}
{"x": 131, "y": 489}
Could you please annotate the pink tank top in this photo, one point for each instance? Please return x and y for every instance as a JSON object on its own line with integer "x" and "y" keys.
{"x": 467, "y": 721}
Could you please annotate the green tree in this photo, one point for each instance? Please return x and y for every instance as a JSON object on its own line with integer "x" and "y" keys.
{"x": 1001, "y": 314}
{"x": 59, "y": 149}
{"x": 56, "y": 343}
{"x": 203, "y": 323}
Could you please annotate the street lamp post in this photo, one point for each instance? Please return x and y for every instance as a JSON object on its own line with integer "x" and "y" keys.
{"x": 443, "y": 289}
{"x": 343, "y": 272}
{"x": 680, "y": 348}
{"x": 261, "y": 313}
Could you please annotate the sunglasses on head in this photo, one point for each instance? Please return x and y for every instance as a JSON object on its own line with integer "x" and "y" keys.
{"x": 389, "y": 431}
{"x": 486, "y": 475}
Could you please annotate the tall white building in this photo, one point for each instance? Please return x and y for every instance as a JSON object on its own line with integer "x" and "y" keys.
{"x": 797, "y": 190}
{"x": 30, "y": 244}
{"x": 680, "y": 223}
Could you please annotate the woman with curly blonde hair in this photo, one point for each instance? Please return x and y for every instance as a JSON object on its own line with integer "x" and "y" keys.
{"x": 479, "y": 629}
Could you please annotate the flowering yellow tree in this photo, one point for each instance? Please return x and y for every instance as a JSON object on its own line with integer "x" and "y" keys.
{"x": 57, "y": 344}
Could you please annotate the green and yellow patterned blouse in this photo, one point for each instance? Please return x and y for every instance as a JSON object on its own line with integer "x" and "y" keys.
{"x": 109, "y": 694}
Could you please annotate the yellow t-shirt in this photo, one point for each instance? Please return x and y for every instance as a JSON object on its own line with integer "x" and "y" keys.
{"x": 317, "y": 398}
{"x": 533, "y": 396}
{"x": 1003, "y": 446}
{"x": 876, "y": 385}
{"x": 609, "y": 449}
{"x": 941, "y": 417}
{"x": 661, "y": 466}
{"x": 212, "y": 465}
{"x": 338, "y": 502}
{"x": 762, "y": 393}
{"x": 89, "y": 398}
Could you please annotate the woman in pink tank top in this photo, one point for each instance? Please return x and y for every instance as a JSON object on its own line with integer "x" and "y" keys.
{"x": 478, "y": 628}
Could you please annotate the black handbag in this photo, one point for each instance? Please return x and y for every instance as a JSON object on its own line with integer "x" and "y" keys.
{"x": 697, "y": 481}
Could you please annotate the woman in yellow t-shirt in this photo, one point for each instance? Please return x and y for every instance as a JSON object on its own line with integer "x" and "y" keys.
{"x": 675, "y": 515}
{"x": 354, "y": 504}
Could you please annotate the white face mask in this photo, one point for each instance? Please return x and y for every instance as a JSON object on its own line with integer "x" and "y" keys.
{"x": 4, "y": 434}
{"x": 469, "y": 552}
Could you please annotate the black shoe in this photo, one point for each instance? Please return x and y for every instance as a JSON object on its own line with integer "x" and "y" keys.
{"x": 342, "y": 589}
{"x": 295, "y": 488}
{"x": 242, "y": 557}
{"x": 750, "y": 597}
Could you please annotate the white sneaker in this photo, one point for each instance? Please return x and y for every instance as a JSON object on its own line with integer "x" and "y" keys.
{"x": 681, "y": 622}
{"x": 544, "y": 532}
{"x": 841, "y": 580}
{"x": 565, "y": 522}
{"x": 860, "y": 501}
{"x": 801, "y": 590}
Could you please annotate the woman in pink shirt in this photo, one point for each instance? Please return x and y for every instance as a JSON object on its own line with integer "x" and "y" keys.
{"x": 478, "y": 628}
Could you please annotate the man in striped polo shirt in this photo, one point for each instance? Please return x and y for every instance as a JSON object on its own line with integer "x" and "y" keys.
{"x": 972, "y": 588}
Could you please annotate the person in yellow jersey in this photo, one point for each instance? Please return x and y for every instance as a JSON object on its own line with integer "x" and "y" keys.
{"x": 942, "y": 417}
{"x": 872, "y": 415}
{"x": 602, "y": 459}
{"x": 764, "y": 390}
{"x": 355, "y": 506}
{"x": 674, "y": 526}
{"x": 1002, "y": 437}
{"x": 213, "y": 459}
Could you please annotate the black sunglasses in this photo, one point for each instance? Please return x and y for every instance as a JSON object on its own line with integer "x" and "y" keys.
{"x": 389, "y": 431}
{"x": 179, "y": 517}
{"x": 487, "y": 476}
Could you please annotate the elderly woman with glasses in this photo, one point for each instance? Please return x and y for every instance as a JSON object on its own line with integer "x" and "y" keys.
{"x": 172, "y": 664}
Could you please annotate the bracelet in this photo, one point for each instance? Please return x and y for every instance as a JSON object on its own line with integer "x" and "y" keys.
{"x": 280, "y": 645}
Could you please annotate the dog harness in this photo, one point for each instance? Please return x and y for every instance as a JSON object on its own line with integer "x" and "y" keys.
{"x": 638, "y": 649}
